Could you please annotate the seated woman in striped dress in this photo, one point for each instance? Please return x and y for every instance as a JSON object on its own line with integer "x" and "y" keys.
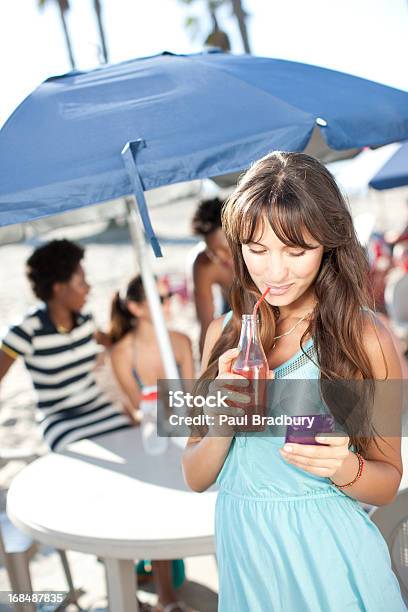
{"x": 58, "y": 345}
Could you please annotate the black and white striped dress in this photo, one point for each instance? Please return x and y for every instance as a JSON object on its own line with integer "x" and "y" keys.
{"x": 71, "y": 406}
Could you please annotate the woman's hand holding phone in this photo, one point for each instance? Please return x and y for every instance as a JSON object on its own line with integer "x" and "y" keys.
{"x": 325, "y": 460}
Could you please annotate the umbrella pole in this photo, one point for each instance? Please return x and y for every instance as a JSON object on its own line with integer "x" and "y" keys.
{"x": 152, "y": 295}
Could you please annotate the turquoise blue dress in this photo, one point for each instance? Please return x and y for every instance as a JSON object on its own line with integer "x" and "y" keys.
{"x": 289, "y": 541}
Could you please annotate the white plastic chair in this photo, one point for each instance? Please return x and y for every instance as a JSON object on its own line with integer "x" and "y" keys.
{"x": 392, "y": 521}
{"x": 16, "y": 550}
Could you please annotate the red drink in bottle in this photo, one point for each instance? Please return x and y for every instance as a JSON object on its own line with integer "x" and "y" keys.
{"x": 252, "y": 364}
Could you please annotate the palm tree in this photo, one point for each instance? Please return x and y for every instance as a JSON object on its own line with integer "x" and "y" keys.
{"x": 98, "y": 14}
{"x": 241, "y": 16}
{"x": 63, "y": 6}
{"x": 217, "y": 38}
{"x": 217, "y": 35}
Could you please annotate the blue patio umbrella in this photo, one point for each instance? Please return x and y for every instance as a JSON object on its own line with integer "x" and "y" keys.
{"x": 394, "y": 172}
{"x": 184, "y": 117}
{"x": 88, "y": 137}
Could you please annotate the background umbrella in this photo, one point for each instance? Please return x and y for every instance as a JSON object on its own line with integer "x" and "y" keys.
{"x": 177, "y": 118}
{"x": 394, "y": 173}
{"x": 354, "y": 175}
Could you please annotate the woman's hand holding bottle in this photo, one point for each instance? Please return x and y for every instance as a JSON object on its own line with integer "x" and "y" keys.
{"x": 234, "y": 388}
{"x": 205, "y": 456}
{"x": 223, "y": 386}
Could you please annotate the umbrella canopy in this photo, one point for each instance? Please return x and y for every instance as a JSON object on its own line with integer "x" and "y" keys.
{"x": 394, "y": 173}
{"x": 185, "y": 117}
{"x": 93, "y": 219}
{"x": 89, "y": 137}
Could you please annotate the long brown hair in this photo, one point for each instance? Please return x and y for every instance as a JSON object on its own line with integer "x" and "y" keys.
{"x": 294, "y": 192}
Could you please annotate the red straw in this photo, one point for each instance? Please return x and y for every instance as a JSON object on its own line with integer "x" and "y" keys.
{"x": 261, "y": 299}
{"x": 255, "y": 310}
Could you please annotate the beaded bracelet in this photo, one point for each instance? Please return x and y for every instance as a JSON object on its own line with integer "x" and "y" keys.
{"x": 361, "y": 464}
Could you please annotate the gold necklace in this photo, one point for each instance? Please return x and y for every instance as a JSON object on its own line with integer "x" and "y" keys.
{"x": 292, "y": 329}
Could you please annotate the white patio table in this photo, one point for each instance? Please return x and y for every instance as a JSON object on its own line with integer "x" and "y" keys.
{"x": 108, "y": 498}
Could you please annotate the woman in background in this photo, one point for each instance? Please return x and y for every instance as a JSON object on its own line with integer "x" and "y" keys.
{"x": 213, "y": 265}
{"x": 137, "y": 364}
{"x": 58, "y": 343}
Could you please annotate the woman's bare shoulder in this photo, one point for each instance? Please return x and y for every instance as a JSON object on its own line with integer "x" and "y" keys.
{"x": 181, "y": 343}
{"x": 214, "y": 331}
{"x": 215, "y": 327}
{"x": 374, "y": 329}
{"x": 122, "y": 347}
{"x": 380, "y": 347}
{"x": 179, "y": 338}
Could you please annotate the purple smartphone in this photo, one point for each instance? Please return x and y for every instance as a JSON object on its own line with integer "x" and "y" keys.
{"x": 302, "y": 434}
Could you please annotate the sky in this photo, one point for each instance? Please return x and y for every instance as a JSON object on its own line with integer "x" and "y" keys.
{"x": 367, "y": 38}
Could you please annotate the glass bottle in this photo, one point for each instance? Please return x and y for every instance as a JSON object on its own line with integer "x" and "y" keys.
{"x": 253, "y": 365}
{"x": 153, "y": 444}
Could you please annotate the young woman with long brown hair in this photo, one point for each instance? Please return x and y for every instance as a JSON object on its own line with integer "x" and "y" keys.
{"x": 290, "y": 533}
